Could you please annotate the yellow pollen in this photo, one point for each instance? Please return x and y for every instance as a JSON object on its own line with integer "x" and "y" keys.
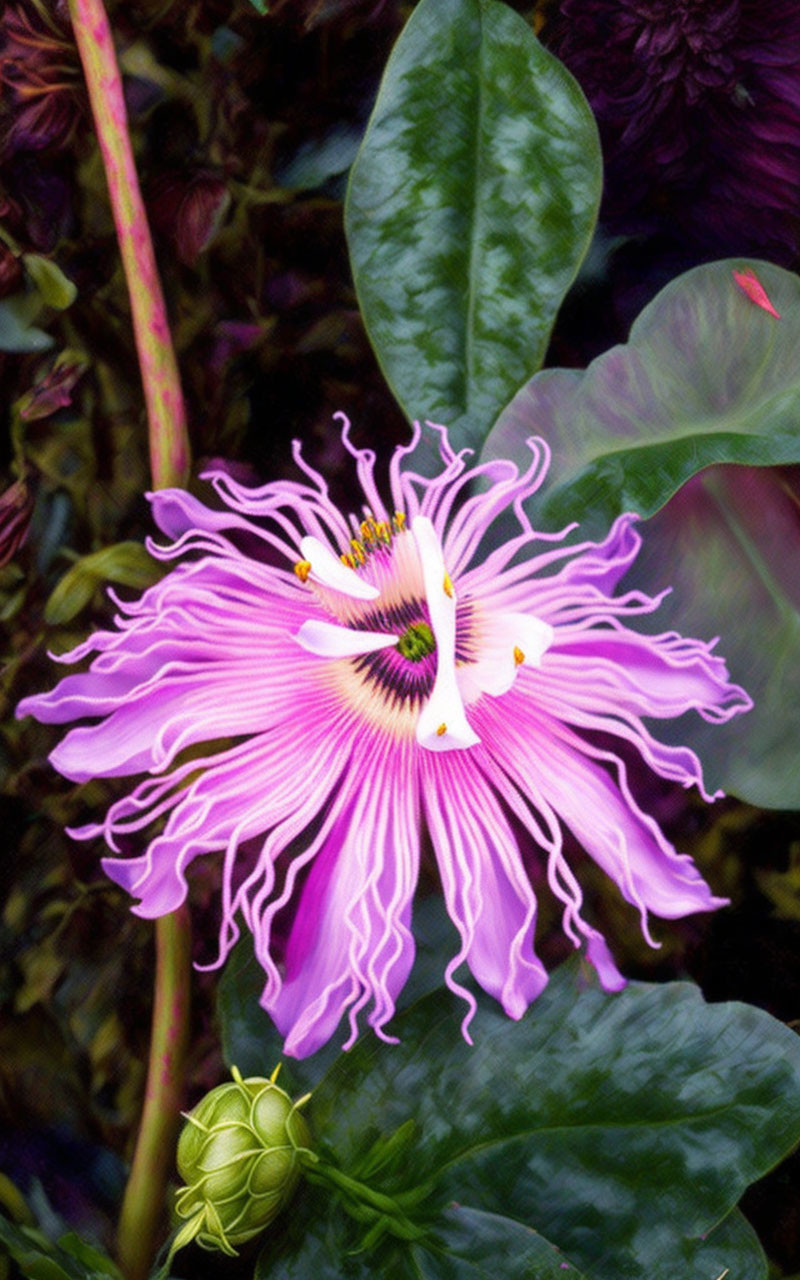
{"x": 448, "y": 586}
{"x": 358, "y": 551}
{"x": 519, "y": 657}
{"x": 303, "y": 569}
{"x": 348, "y": 560}
{"x": 399, "y": 520}
{"x": 441, "y": 731}
{"x": 383, "y": 531}
{"x": 367, "y": 529}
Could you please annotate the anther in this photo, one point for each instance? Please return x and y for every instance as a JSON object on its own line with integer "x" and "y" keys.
{"x": 400, "y": 521}
{"x": 303, "y": 569}
{"x": 348, "y": 560}
{"x": 448, "y": 586}
{"x": 441, "y": 731}
{"x": 519, "y": 657}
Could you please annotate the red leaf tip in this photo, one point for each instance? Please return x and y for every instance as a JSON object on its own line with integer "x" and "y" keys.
{"x": 750, "y": 284}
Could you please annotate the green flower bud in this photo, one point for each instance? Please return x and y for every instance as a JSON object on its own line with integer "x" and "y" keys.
{"x": 239, "y": 1157}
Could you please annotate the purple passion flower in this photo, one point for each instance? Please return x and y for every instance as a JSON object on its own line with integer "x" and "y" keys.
{"x": 378, "y": 674}
{"x": 698, "y": 105}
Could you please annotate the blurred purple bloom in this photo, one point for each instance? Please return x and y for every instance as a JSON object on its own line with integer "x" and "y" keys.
{"x": 378, "y": 673}
{"x": 16, "y": 509}
{"x": 11, "y": 274}
{"x": 53, "y": 390}
{"x": 698, "y": 105}
{"x": 188, "y": 211}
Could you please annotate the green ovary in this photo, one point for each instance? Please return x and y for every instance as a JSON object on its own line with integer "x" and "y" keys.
{"x": 417, "y": 642}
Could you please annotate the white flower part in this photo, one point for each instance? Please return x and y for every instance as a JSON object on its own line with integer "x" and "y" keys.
{"x": 508, "y": 641}
{"x": 332, "y": 641}
{"x": 331, "y": 572}
{"x": 442, "y": 724}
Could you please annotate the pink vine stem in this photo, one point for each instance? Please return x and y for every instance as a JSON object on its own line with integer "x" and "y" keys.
{"x": 143, "y": 1202}
{"x": 169, "y": 442}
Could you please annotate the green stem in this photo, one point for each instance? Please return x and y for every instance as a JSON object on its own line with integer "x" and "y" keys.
{"x": 364, "y": 1202}
{"x": 143, "y": 1201}
{"x": 321, "y": 1172}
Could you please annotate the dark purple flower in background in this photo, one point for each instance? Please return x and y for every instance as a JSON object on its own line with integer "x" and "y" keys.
{"x": 188, "y": 211}
{"x": 39, "y": 79}
{"x": 698, "y": 104}
{"x": 16, "y": 509}
{"x": 53, "y": 389}
{"x": 11, "y": 274}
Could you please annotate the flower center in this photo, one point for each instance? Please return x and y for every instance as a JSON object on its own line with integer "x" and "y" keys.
{"x": 401, "y": 632}
{"x": 417, "y": 642}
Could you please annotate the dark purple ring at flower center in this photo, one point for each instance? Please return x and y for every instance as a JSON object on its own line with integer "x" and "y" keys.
{"x": 407, "y": 671}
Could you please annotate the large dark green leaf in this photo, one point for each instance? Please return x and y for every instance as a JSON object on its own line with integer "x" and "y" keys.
{"x": 470, "y": 206}
{"x": 617, "y": 1129}
{"x": 706, "y": 376}
{"x": 730, "y": 1250}
{"x": 472, "y": 1245}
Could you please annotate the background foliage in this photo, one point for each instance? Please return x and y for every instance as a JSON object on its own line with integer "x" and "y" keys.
{"x": 246, "y": 125}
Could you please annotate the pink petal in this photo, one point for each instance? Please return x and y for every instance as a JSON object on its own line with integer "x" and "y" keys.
{"x": 351, "y": 940}
{"x": 542, "y": 755}
{"x": 488, "y": 894}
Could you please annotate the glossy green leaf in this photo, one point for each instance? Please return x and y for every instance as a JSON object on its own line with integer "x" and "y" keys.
{"x": 731, "y": 1245}
{"x": 706, "y": 376}
{"x": 728, "y": 544}
{"x": 125, "y": 563}
{"x": 619, "y": 1130}
{"x": 466, "y": 1244}
{"x": 470, "y": 207}
{"x": 469, "y": 1244}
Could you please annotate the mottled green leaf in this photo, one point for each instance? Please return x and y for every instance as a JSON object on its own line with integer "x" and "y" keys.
{"x": 126, "y": 563}
{"x": 730, "y": 1251}
{"x": 472, "y": 1245}
{"x": 466, "y": 1244}
{"x": 618, "y": 1129}
{"x": 706, "y": 376}
{"x": 470, "y": 206}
